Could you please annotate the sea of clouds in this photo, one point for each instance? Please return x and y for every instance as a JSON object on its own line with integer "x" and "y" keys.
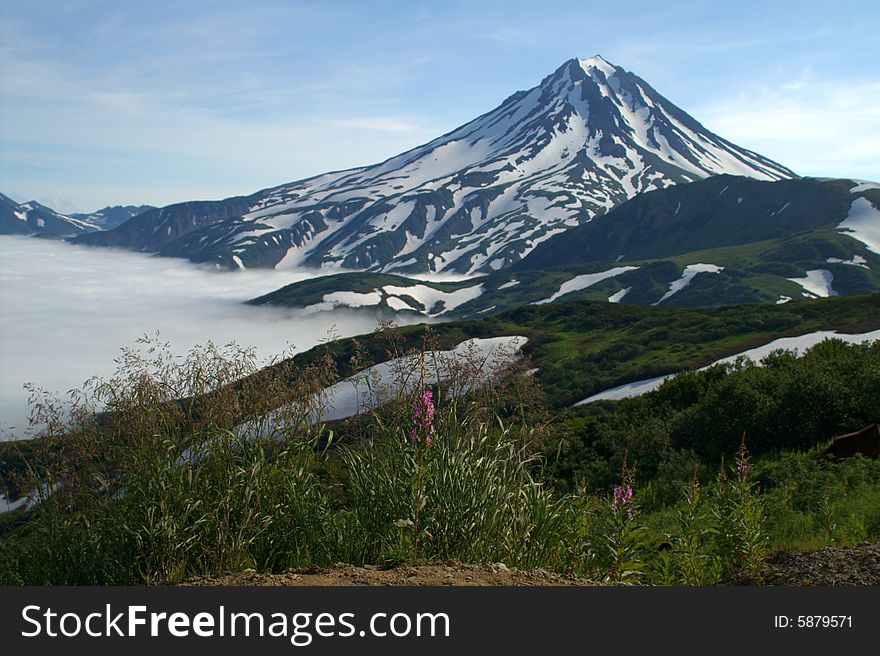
{"x": 66, "y": 311}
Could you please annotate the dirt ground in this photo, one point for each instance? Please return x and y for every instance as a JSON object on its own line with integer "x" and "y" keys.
{"x": 858, "y": 565}
{"x": 430, "y": 574}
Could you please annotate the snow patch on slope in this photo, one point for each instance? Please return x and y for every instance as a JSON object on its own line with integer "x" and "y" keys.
{"x": 353, "y": 299}
{"x": 863, "y": 223}
{"x": 817, "y": 282}
{"x": 583, "y": 281}
{"x": 617, "y": 296}
{"x": 433, "y": 302}
{"x": 383, "y": 382}
{"x": 864, "y": 185}
{"x": 857, "y": 260}
{"x": 8, "y": 506}
{"x": 627, "y": 390}
{"x": 430, "y": 297}
{"x": 687, "y": 276}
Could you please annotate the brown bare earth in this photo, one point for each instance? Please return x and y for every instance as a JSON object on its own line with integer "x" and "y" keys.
{"x": 450, "y": 573}
{"x": 858, "y": 565}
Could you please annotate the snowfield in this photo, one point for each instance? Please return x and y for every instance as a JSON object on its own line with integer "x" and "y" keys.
{"x": 383, "y": 382}
{"x": 430, "y": 297}
{"x": 429, "y": 301}
{"x": 857, "y": 260}
{"x": 334, "y": 300}
{"x": 8, "y": 506}
{"x": 864, "y": 185}
{"x": 627, "y": 390}
{"x": 617, "y": 296}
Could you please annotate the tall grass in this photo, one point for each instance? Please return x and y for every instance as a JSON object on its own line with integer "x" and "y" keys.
{"x": 210, "y": 463}
{"x": 180, "y": 467}
{"x": 469, "y": 495}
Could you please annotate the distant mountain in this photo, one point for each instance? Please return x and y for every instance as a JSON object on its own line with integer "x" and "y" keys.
{"x": 32, "y": 218}
{"x": 719, "y": 241}
{"x": 111, "y": 217}
{"x": 478, "y": 199}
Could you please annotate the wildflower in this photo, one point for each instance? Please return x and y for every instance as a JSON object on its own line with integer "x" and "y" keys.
{"x": 622, "y": 496}
{"x": 741, "y": 470}
{"x": 423, "y": 416}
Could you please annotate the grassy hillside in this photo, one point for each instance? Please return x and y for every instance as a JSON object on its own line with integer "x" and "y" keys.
{"x": 161, "y": 491}
{"x": 697, "y": 418}
{"x": 584, "y": 347}
{"x": 718, "y": 212}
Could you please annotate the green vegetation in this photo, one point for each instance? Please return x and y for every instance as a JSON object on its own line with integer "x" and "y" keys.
{"x": 582, "y": 348}
{"x": 718, "y": 212}
{"x": 136, "y": 498}
{"x": 697, "y": 418}
{"x": 203, "y": 465}
{"x": 757, "y": 272}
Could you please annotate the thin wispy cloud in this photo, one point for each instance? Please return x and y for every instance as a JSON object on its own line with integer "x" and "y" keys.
{"x": 822, "y": 127}
{"x": 378, "y": 123}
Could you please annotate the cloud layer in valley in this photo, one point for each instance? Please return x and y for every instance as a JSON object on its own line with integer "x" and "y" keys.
{"x": 67, "y": 311}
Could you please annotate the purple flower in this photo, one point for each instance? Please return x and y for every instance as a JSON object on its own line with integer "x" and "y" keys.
{"x": 622, "y": 496}
{"x": 741, "y": 471}
{"x": 423, "y": 416}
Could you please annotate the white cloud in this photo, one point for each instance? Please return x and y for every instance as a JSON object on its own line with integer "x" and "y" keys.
{"x": 67, "y": 310}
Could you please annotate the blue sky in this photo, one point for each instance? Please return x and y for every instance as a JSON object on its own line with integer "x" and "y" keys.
{"x": 155, "y": 102}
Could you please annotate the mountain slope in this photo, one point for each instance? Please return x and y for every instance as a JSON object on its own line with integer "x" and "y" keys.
{"x": 714, "y": 242}
{"x": 108, "y": 218}
{"x": 720, "y": 211}
{"x": 32, "y": 218}
{"x": 479, "y": 198}
{"x": 581, "y": 348}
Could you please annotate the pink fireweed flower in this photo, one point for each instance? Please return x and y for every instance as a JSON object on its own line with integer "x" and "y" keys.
{"x": 423, "y": 416}
{"x": 741, "y": 471}
{"x": 622, "y": 496}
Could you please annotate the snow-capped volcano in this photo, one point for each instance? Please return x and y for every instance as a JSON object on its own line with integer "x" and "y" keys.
{"x": 587, "y": 138}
